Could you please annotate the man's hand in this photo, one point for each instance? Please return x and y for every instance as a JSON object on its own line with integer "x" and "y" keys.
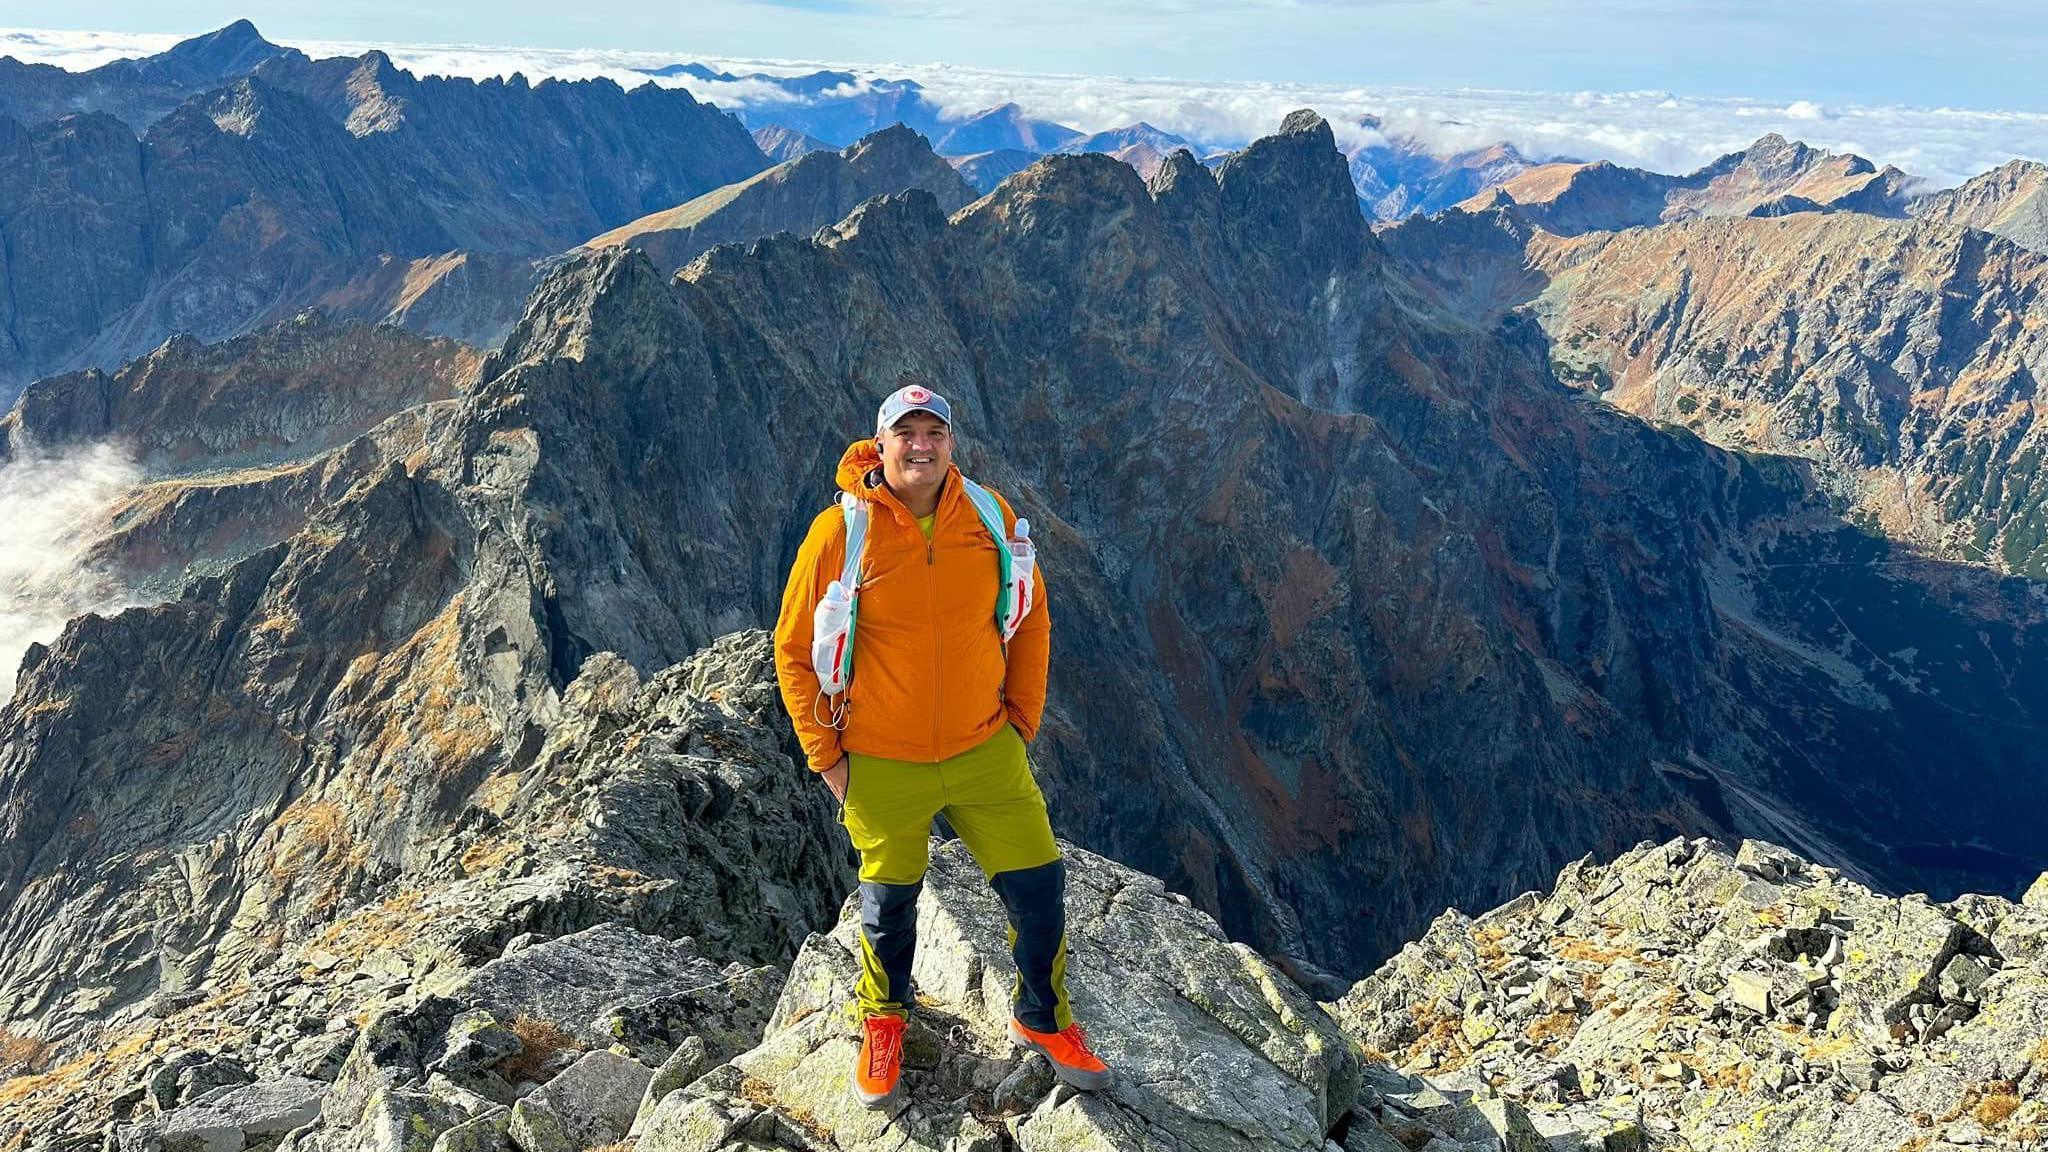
{"x": 835, "y": 779}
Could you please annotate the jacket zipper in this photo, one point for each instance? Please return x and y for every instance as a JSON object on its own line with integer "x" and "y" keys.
{"x": 931, "y": 585}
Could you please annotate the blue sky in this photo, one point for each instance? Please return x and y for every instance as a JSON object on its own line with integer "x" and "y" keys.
{"x": 1642, "y": 82}
{"x": 1976, "y": 53}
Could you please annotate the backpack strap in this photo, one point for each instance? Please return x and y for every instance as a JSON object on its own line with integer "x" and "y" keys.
{"x": 1016, "y": 558}
{"x": 854, "y": 511}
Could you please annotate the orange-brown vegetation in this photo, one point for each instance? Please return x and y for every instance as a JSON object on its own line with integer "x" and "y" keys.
{"x": 539, "y": 1040}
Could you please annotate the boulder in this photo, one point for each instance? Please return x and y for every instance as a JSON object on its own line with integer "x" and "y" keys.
{"x": 243, "y": 1115}
{"x": 592, "y": 1102}
{"x": 685, "y": 1064}
{"x": 611, "y": 983}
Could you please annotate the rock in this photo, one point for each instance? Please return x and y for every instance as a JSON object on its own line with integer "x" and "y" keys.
{"x": 1768, "y": 861}
{"x": 1751, "y": 991}
{"x": 685, "y": 1064}
{"x": 471, "y": 1051}
{"x": 242, "y": 1115}
{"x": 686, "y": 1123}
{"x": 611, "y": 983}
{"x": 486, "y": 1132}
{"x": 1365, "y": 1135}
{"x": 396, "y": 1120}
{"x": 187, "y": 1075}
{"x": 393, "y": 1049}
{"x": 2037, "y": 893}
{"x": 1962, "y": 977}
{"x": 1491, "y": 1123}
{"x": 592, "y": 1102}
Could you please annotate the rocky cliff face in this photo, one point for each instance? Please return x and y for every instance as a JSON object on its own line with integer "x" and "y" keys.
{"x": 1906, "y": 375}
{"x": 800, "y": 196}
{"x": 2010, "y": 201}
{"x": 305, "y": 182}
{"x": 233, "y": 445}
{"x": 1359, "y": 612}
{"x": 281, "y": 394}
{"x": 1772, "y": 177}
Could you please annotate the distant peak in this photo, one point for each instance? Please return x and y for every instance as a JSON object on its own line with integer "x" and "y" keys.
{"x": 1306, "y": 121}
{"x": 218, "y": 55}
{"x": 898, "y": 133}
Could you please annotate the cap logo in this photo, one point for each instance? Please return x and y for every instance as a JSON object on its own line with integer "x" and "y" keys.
{"x": 916, "y": 395}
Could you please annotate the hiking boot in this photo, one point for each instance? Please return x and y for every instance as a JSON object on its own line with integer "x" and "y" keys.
{"x": 880, "y": 1063}
{"x": 1072, "y": 1062}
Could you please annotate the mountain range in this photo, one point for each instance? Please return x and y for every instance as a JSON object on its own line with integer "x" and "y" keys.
{"x": 344, "y": 182}
{"x": 1393, "y": 566}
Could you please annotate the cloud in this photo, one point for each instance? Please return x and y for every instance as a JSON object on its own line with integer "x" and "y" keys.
{"x": 51, "y": 509}
{"x": 1665, "y": 131}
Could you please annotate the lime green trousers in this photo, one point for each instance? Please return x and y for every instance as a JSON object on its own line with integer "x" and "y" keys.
{"x": 989, "y": 797}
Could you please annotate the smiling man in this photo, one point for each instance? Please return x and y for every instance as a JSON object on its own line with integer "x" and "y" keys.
{"x": 929, "y": 579}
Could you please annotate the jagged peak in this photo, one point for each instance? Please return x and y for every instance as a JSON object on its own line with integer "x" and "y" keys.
{"x": 1068, "y": 179}
{"x": 913, "y": 212}
{"x": 241, "y": 107}
{"x": 899, "y": 141}
{"x": 376, "y": 65}
{"x": 1175, "y": 171}
{"x": 580, "y": 298}
{"x": 1292, "y": 192}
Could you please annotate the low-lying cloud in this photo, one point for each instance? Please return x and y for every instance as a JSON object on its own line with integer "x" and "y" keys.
{"x": 52, "y": 508}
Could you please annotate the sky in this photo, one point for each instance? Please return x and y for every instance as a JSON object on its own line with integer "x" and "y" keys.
{"x": 1941, "y": 91}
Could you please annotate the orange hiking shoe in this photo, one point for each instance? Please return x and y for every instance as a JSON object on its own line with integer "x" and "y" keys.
{"x": 880, "y": 1062}
{"x": 1068, "y": 1050}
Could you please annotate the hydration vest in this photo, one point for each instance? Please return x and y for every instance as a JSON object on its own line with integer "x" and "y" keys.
{"x": 838, "y": 610}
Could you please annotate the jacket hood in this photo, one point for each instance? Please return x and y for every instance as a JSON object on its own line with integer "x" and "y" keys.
{"x": 862, "y": 460}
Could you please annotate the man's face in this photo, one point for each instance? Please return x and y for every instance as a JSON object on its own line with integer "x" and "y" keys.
{"x": 916, "y": 451}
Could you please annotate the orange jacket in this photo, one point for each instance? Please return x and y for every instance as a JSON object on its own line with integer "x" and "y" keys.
{"x": 929, "y": 675}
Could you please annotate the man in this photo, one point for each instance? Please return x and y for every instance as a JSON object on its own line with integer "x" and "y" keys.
{"x": 933, "y": 718}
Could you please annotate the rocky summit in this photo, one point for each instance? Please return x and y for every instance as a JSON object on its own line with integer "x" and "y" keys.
{"x": 615, "y": 954}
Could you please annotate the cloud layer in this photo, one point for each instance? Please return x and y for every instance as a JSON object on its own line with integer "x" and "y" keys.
{"x": 1652, "y": 129}
{"x": 51, "y": 507}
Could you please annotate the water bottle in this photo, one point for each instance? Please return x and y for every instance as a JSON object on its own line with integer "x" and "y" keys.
{"x": 832, "y": 639}
{"x": 1023, "y": 561}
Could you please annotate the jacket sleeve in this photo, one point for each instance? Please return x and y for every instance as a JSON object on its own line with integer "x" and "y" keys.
{"x": 1029, "y": 654}
{"x": 818, "y": 562}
